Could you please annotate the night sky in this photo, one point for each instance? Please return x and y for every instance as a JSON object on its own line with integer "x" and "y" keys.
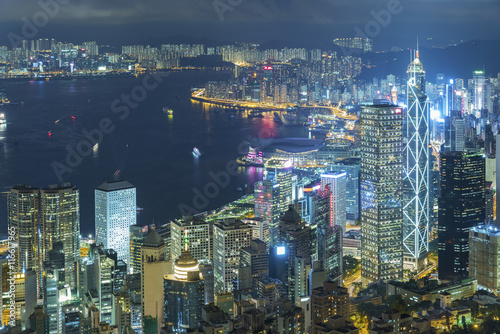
{"x": 305, "y": 22}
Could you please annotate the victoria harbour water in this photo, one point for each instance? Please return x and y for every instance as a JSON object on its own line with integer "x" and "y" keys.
{"x": 148, "y": 148}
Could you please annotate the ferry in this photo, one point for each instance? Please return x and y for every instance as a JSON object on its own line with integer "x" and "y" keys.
{"x": 2, "y": 118}
{"x": 196, "y": 152}
{"x": 168, "y": 111}
{"x": 138, "y": 209}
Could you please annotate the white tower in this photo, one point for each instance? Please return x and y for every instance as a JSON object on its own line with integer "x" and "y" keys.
{"x": 416, "y": 169}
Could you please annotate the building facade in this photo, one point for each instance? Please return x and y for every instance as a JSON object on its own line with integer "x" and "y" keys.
{"x": 381, "y": 198}
{"x": 115, "y": 212}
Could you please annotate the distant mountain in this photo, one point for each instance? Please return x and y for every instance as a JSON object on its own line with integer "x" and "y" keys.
{"x": 454, "y": 61}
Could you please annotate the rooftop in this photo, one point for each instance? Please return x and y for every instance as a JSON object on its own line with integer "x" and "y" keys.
{"x": 115, "y": 185}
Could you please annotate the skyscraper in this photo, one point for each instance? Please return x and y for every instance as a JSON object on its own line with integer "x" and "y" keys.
{"x": 23, "y": 207}
{"x": 381, "y": 198}
{"x": 267, "y": 205}
{"x": 280, "y": 170}
{"x": 461, "y": 207}
{"x": 416, "y": 169}
{"x": 184, "y": 294}
{"x": 154, "y": 268}
{"x": 294, "y": 237}
{"x": 60, "y": 221}
{"x": 230, "y": 236}
{"x": 196, "y": 233}
{"x": 115, "y": 212}
{"x": 351, "y": 167}
{"x": 336, "y": 182}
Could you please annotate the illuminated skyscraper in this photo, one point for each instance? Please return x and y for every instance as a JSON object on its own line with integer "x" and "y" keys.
{"x": 416, "y": 170}
{"x": 115, "y": 212}
{"x": 23, "y": 207}
{"x": 280, "y": 170}
{"x": 230, "y": 236}
{"x": 381, "y": 198}
{"x": 267, "y": 205}
{"x": 336, "y": 182}
{"x": 196, "y": 233}
{"x": 184, "y": 294}
{"x": 60, "y": 221}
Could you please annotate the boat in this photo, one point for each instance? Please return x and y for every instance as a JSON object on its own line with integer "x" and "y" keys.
{"x": 96, "y": 147}
{"x": 2, "y": 118}
{"x": 57, "y": 121}
{"x": 168, "y": 111}
{"x": 196, "y": 152}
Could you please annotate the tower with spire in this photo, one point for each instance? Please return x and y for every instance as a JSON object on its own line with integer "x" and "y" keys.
{"x": 416, "y": 155}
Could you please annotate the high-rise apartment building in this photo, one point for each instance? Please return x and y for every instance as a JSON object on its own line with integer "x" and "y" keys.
{"x": 60, "y": 221}
{"x": 461, "y": 207}
{"x": 115, "y": 212}
{"x": 381, "y": 198}
{"x": 196, "y": 233}
{"x": 416, "y": 166}
{"x": 230, "y": 236}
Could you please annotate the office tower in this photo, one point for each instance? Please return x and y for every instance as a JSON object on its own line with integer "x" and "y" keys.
{"x": 461, "y": 207}
{"x": 441, "y": 92}
{"x": 115, "y": 212}
{"x": 154, "y": 268}
{"x": 230, "y": 236}
{"x": 136, "y": 239}
{"x": 39, "y": 321}
{"x": 318, "y": 205}
{"x": 489, "y": 199}
{"x": 479, "y": 90}
{"x": 351, "y": 167}
{"x": 295, "y": 236}
{"x": 73, "y": 320}
{"x": 60, "y": 221}
{"x": 207, "y": 271}
{"x": 196, "y": 233}
{"x": 281, "y": 171}
{"x": 56, "y": 291}
{"x": 336, "y": 182}
{"x": 267, "y": 205}
{"x": 381, "y": 183}
{"x": 484, "y": 257}
{"x": 416, "y": 157}
{"x": 332, "y": 254}
{"x": 23, "y": 207}
{"x": 121, "y": 301}
{"x": 257, "y": 258}
{"x": 184, "y": 294}
{"x": 104, "y": 267}
{"x": 454, "y": 132}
